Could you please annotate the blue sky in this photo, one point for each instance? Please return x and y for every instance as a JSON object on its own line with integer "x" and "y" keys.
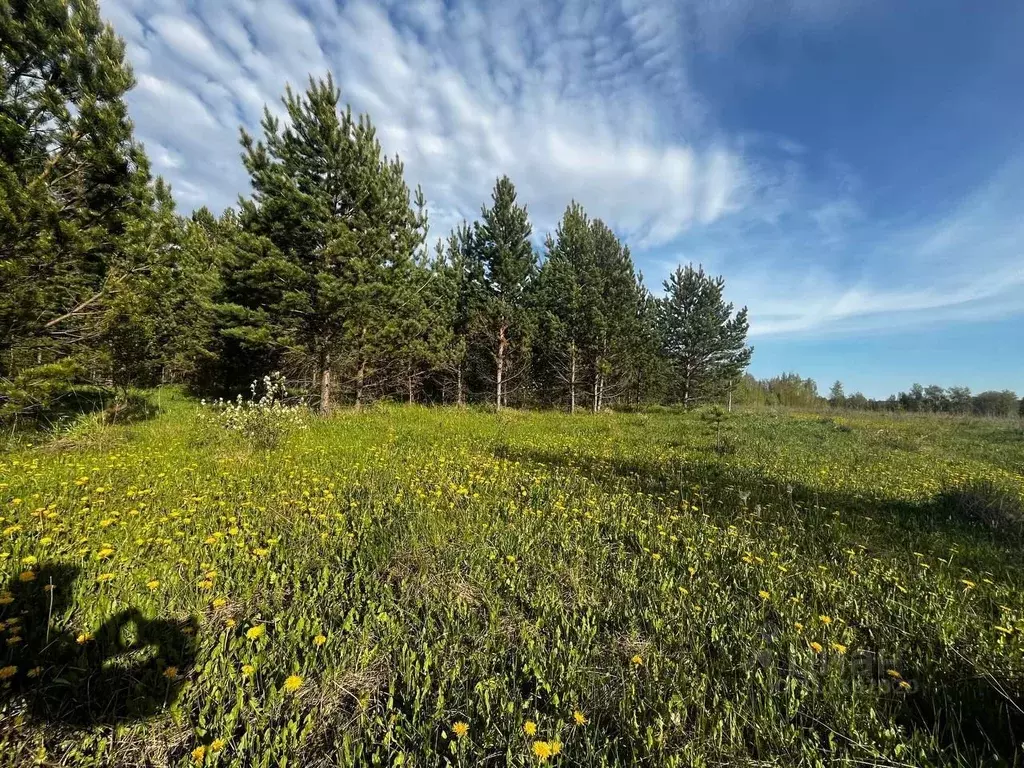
{"x": 854, "y": 168}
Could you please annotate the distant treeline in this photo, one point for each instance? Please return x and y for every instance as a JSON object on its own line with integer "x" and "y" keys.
{"x": 325, "y": 271}
{"x": 790, "y": 389}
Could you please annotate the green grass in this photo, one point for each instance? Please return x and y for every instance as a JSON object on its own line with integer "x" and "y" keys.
{"x": 696, "y": 606}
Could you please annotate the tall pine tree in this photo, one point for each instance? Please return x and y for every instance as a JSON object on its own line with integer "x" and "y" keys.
{"x": 73, "y": 182}
{"x": 703, "y": 342}
{"x": 509, "y": 263}
{"x": 460, "y": 300}
{"x": 564, "y": 301}
{"x": 614, "y": 300}
{"x": 326, "y": 255}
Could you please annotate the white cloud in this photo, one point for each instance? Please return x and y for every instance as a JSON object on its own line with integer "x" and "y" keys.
{"x": 572, "y": 100}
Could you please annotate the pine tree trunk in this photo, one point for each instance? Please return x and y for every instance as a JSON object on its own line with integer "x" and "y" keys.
{"x": 409, "y": 383}
{"x": 572, "y": 377}
{"x": 600, "y": 394}
{"x": 360, "y": 377}
{"x": 460, "y": 396}
{"x": 325, "y": 383}
{"x": 502, "y": 344}
{"x": 360, "y": 371}
{"x": 595, "y": 404}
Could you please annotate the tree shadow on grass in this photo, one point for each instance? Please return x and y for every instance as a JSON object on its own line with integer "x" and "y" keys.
{"x": 972, "y": 713}
{"x": 888, "y": 523}
{"x": 128, "y": 669}
{"x": 108, "y": 406}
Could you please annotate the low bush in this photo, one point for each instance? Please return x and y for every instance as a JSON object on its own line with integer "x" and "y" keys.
{"x": 265, "y": 418}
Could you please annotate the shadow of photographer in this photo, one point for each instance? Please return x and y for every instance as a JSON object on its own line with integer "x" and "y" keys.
{"x": 130, "y": 668}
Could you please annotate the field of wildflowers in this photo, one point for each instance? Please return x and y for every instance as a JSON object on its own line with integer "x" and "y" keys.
{"x": 419, "y": 587}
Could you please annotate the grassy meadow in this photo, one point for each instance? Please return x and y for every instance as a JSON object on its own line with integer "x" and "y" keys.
{"x": 423, "y": 587}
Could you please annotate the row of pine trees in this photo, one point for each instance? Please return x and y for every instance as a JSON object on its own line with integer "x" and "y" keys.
{"x": 327, "y": 271}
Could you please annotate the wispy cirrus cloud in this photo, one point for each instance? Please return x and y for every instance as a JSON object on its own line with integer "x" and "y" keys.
{"x": 575, "y": 99}
{"x": 818, "y": 268}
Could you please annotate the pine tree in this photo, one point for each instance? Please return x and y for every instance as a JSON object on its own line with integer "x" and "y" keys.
{"x": 326, "y": 256}
{"x": 564, "y": 305}
{"x": 613, "y": 296}
{"x": 182, "y": 278}
{"x": 73, "y": 182}
{"x": 701, "y": 339}
{"x": 459, "y": 300}
{"x": 502, "y": 240}
{"x": 424, "y": 339}
{"x": 836, "y": 395}
{"x": 644, "y": 365}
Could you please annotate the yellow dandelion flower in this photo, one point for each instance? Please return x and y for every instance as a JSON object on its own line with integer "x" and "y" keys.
{"x": 530, "y": 728}
{"x": 198, "y": 754}
{"x": 254, "y": 633}
{"x": 893, "y": 674}
{"x": 579, "y": 717}
{"x": 292, "y": 683}
{"x": 35, "y": 672}
{"x": 542, "y": 750}
{"x": 153, "y": 583}
{"x": 217, "y": 745}
{"x": 8, "y": 672}
{"x": 6, "y": 598}
{"x": 83, "y": 638}
{"x": 248, "y": 669}
{"x": 104, "y": 577}
{"x": 319, "y": 640}
{"x": 460, "y": 728}
{"x": 816, "y": 647}
{"x": 556, "y": 747}
{"x": 27, "y": 576}
{"x": 826, "y": 620}
{"x": 230, "y": 623}
{"x": 29, "y": 560}
{"x": 839, "y": 648}
{"x": 171, "y": 672}
{"x": 638, "y": 660}
{"x": 219, "y": 602}
{"x": 904, "y": 685}
{"x": 764, "y": 595}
